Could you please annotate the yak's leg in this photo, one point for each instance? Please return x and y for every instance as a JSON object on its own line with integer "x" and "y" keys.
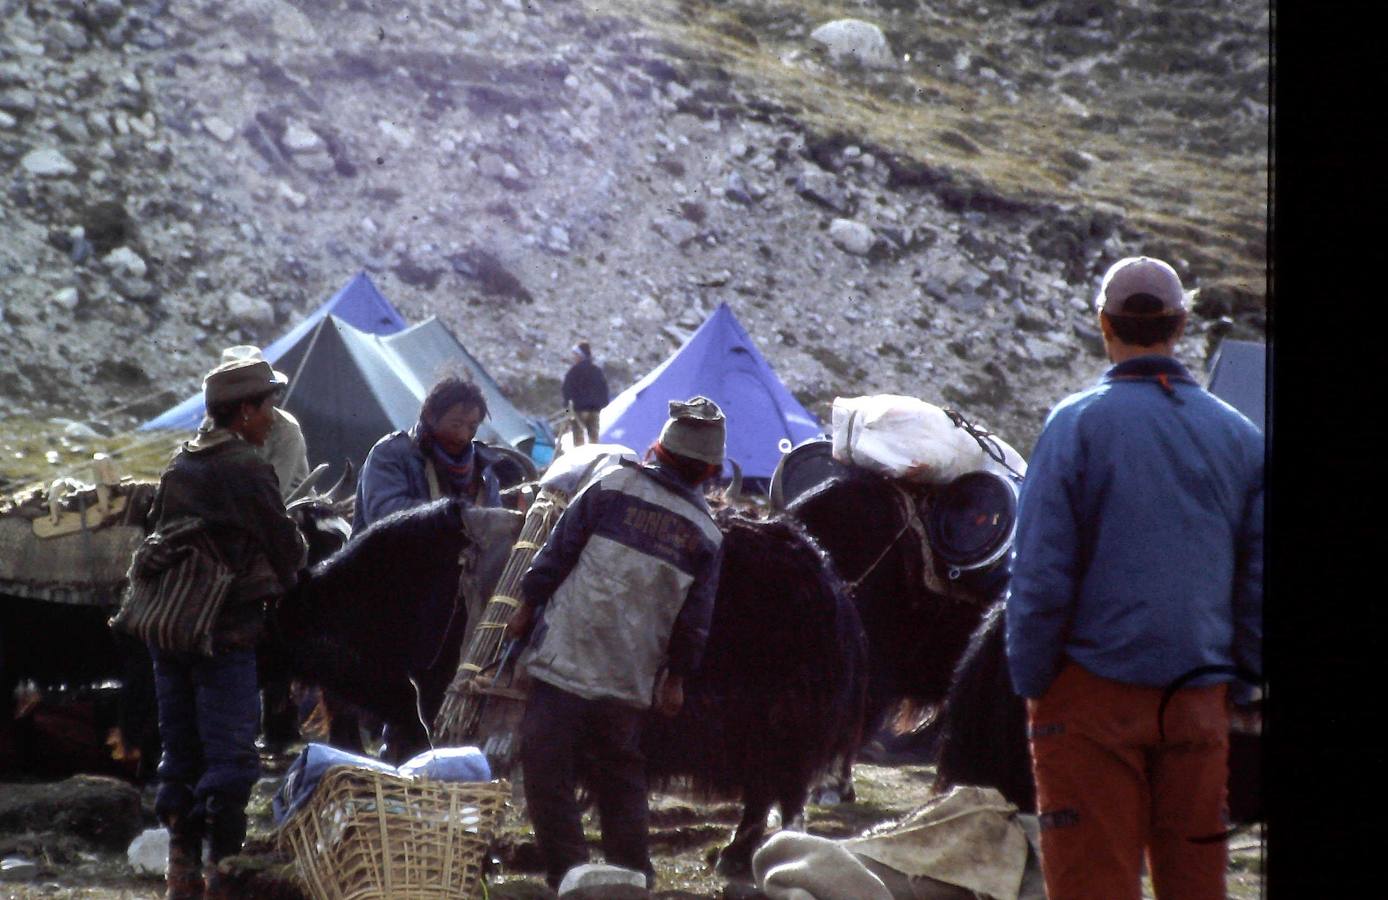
{"x": 836, "y": 786}
{"x": 344, "y": 725}
{"x": 735, "y": 860}
{"x": 793, "y": 807}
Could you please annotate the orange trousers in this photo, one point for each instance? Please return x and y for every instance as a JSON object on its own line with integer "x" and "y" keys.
{"x": 1109, "y": 787}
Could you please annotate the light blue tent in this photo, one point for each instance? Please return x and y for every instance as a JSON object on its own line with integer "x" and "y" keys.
{"x": 719, "y": 361}
{"x": 358, "y": 304}
{"x": 1238, "y": 376}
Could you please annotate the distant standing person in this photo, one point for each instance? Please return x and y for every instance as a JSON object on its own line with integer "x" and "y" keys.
{"x": 585, "y": 393}
{"x": 1139, "y": 560}
{"x": 285, "y": 448}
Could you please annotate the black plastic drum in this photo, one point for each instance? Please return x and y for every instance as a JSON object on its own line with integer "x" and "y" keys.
{"x": 972, "y": 523}
{"x": 808, "y": 464}
{"x": 513, "y": 468}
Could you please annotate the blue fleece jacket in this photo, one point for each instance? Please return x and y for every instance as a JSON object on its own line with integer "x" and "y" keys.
{"x": 393, "y": 478}
{"x": 1139, "y": 549}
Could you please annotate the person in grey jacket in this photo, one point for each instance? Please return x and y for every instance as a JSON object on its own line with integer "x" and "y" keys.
{"x": 626, "y": 581}
{"x": 284, "y": 448}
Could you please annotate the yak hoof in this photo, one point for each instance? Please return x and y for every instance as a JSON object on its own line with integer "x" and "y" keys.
{"x": 734, "y": 863}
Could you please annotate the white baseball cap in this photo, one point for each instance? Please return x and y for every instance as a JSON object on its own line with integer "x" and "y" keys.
{"x": 1141, "y": 275}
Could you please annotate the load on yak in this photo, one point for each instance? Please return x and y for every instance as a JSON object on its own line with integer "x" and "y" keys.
{"x": 65, "y": 550}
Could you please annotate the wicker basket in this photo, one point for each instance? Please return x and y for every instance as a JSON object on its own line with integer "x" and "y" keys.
{"x": 366, "y": 835}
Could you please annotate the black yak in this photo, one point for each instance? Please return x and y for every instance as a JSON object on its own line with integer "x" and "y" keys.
{"x": 780, "y": 693}
{"x": 69, "y": 644}
{"x": 981, "y": 731}
{"x": 871, "y": 529}
{"x": 381, "y": 623}
{"x": 778, "y": 697}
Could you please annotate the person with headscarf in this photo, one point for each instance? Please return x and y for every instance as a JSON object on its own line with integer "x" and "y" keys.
{"x": 437, "y": 457}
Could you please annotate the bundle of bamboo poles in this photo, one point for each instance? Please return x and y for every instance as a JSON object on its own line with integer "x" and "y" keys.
{"x": 458, "y": 717}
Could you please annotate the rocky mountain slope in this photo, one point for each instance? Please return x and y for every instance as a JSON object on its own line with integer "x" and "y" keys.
{"x": 180, "y": 176}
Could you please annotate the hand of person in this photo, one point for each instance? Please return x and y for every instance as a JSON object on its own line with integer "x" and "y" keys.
{"x": 669, "y": 695}
{"x": 520, "y": 623}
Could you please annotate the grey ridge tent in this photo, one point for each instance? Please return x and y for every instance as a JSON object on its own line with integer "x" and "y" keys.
{"x": 349, "y": 388}
{"x": 1238, "y": 376}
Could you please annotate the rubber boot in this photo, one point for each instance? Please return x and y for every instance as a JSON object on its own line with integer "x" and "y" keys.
{"x": 184, "y": 877}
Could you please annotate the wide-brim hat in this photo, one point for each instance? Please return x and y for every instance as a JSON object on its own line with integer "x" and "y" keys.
{"x": 250, "y": 351}
{"x": 696, "y": 429}
{"x": 239, "y": 379}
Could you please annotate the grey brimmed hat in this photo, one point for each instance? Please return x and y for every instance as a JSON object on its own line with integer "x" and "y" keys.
{"x": 239, "y": 379}
{"x": 696, "y": 429}
{"x": 1140, "y": 275}
{"x": 250, "y": 351}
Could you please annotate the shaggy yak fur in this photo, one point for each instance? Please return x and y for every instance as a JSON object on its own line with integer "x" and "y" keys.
{"x": 914, "y": 635}
{"x": 777, "y": 698}
{"x": 384, "y": 614}
{"x": 780, "y": 693}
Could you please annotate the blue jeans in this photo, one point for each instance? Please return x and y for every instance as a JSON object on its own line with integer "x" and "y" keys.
{"x": 209, "y": 714}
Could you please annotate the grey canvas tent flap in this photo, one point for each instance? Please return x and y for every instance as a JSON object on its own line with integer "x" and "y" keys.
{"x": 1238, "y": 376}
{"x": 348, "y": 388}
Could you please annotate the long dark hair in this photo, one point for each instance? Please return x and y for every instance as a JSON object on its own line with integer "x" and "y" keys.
{"x": 447, "y": 392}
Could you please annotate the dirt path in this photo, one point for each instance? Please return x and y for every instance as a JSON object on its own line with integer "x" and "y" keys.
{"x": 684, "y": 836}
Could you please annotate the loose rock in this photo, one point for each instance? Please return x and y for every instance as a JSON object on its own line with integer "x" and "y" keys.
{"x": 851, "y": 237}
{"x": 47, "y": 163}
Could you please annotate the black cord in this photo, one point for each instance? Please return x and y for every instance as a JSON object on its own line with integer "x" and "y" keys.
{"x": 984, "y": 438}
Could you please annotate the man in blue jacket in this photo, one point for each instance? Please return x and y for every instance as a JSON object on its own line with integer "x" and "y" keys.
{"x": 1138, "y": 561}
{"x": 436, "y": 458}
{"x": 626, "y": 581}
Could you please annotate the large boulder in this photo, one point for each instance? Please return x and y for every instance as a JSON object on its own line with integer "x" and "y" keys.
{"x": 855, "y": 41}
{"x": 105, "y": 811}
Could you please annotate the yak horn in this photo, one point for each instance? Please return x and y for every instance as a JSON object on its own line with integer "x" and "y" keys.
{"x": 734, "y": 490}
{"x": 346, "y": 480}
{"x": 302, "y": 489}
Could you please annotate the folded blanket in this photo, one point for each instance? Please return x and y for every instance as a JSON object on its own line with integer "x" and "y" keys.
{"x": 306, "y": 771}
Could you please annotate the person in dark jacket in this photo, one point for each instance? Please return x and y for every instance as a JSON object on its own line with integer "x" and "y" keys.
{"x": 209, "y": 706}
{"x": 436, "y": 458}
{"x": 1139, "y": 563}
{"x": 585, "y": 393}
{"x": 626, "y": 581}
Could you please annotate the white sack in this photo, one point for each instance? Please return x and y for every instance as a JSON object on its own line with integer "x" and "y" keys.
{"x": 903, "y": 437}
